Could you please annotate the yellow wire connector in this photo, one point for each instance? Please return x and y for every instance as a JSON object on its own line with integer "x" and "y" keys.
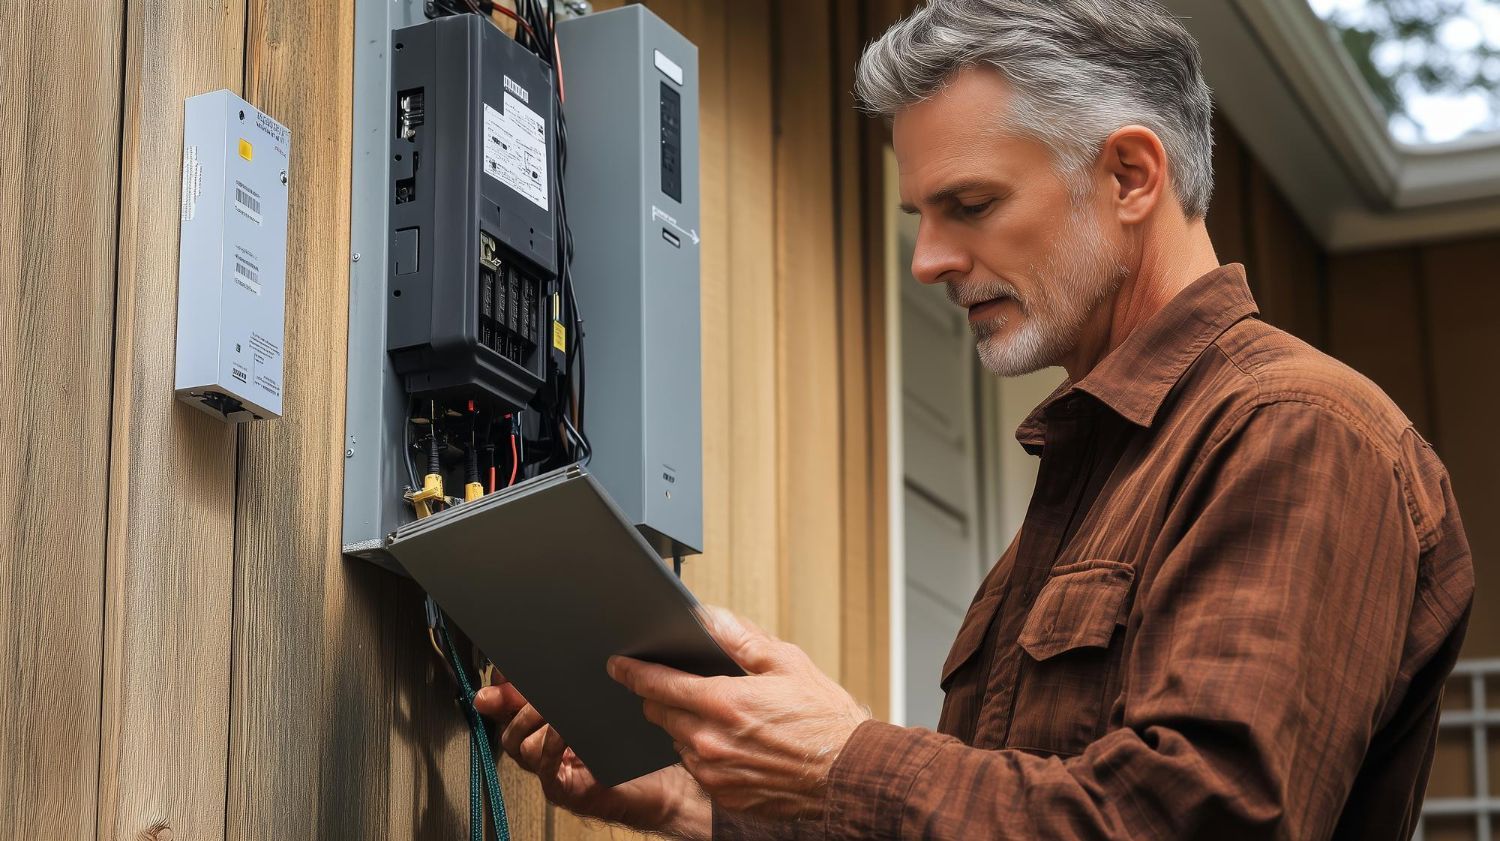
{"x": 473, "y": 491}
{"x": 432, "y": 489}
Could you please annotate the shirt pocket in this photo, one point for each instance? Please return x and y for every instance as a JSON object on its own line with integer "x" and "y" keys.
{"x": 1072, "y": 648}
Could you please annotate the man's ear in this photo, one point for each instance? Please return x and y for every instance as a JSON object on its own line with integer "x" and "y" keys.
{"x": 1136, "y": 162}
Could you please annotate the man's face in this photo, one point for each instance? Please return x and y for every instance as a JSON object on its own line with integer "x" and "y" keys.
{"x": 999, "y": 226}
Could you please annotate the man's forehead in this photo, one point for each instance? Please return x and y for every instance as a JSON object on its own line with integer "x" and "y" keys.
{"x": 948, "y": 163}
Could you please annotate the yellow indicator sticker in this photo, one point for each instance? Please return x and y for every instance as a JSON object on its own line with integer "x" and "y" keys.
{"x": 245, "y": 151}
{"x": 559, "y": 336}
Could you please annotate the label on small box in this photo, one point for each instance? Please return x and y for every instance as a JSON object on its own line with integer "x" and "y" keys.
{"x": 559, "y": 336}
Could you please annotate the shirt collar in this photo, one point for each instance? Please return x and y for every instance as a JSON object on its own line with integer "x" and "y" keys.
{"x": 1133, "y": 380}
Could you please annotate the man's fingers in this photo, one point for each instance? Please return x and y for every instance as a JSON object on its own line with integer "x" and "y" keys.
{"x": 551, "y": 758}
{"x": 501, "y": 701}
{"x": 527, "y": 722}
{"x": 655, "y": 682}
{"x": 530, "y": 751}
{"x": 679, "y": 724}
{"x": 755, "y": 650}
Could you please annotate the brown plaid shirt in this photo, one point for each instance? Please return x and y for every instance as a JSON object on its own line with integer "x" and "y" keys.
{"x": 1240, "y": 584}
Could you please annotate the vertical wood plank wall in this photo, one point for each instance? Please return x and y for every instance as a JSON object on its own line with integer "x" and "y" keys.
{"x": 59, "y": 181}
{"x": 187, "y": 653}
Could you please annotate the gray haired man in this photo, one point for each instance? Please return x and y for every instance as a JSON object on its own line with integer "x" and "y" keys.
{"x": 1242, "y": 578}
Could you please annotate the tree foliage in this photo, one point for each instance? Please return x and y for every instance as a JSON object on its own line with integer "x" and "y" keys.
{"x": 1398, "y": 48}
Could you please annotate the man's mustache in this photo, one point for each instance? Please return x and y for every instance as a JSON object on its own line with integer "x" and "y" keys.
{"x": 977, "y": 292}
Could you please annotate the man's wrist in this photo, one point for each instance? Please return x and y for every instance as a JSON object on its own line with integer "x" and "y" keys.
{"x": 691, "y": 814}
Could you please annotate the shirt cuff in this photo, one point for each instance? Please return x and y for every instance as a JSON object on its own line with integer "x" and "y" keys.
{"x": 874, "y": 774}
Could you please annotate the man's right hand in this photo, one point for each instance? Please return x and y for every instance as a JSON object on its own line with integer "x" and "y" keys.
{"x": 668, "y": 801}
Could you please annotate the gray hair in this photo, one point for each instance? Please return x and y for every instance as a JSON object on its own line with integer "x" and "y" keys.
{"x": 1081, "y": 69}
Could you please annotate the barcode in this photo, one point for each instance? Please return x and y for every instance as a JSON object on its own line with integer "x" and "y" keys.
{"x": 247, "y": 200}
{"x": 246, "y": 272}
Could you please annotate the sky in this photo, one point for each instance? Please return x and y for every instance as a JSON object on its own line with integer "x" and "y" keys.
{"x": 1439, "y": 116}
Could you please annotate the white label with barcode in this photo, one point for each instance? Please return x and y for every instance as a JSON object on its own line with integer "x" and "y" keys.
{"x": 246, "y": 276}
{"x": 247, "y": 202}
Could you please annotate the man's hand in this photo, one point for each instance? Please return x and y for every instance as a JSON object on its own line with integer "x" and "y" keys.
{"x": 667, "y": 801}
{"x": 761, "y": 744}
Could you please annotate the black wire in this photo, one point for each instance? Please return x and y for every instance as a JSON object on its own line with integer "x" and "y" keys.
{"x": 411, "y": 467}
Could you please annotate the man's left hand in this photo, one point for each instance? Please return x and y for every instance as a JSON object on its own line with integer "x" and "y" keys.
{"x": 761, "y": 744}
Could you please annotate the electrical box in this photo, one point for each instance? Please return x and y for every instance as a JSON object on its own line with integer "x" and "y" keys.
{"x": 473, "y": 265}
{"x": 468, "y": 371}
{"x": 231, "y": 268}
{"x": 632, "y": 183}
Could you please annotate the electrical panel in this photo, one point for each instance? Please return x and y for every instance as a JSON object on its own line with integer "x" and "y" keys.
{"x": 632, "y": 108}
{"x": 480, "y": 355}
{"x": 231, "y": 269}
{"x": 473, "y": 267}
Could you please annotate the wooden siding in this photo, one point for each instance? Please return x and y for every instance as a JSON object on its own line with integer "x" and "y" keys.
{"x": 188, "y": 655}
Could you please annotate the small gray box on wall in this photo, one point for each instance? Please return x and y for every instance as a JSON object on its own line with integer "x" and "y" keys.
{"x": 231, "y": 265}
{"x": 632, "y": 190}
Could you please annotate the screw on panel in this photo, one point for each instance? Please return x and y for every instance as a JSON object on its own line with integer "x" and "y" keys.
{"x": 349, "y": 453}
{"x": 356, "y": 256}
{"x": 283, "y": 176}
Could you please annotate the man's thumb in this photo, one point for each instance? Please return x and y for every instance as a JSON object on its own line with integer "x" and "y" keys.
{"x": 741, "y": 639}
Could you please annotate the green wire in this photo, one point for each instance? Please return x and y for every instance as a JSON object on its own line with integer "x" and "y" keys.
{"x": 478, "y": 739}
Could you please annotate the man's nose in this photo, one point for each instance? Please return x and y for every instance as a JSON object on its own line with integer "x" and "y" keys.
{"x": 934, "y": 259}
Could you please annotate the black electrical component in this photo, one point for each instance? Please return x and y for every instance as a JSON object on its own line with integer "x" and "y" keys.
{"x": 473, "y": 202}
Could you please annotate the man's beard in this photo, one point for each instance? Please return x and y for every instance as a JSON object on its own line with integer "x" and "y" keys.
{"x": 1074, "y": 277}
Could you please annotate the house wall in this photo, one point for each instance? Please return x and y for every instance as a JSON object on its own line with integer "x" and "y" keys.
{"x": 186, "y": 653}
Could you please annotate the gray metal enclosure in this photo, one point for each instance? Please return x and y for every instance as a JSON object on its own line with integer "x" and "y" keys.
{"x": 631, "y": 87}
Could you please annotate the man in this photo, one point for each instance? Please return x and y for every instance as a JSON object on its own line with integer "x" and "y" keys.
{"x": 1242, "y": 578}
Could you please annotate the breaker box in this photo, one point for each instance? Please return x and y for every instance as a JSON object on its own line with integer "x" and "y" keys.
{"x": 231, "y": 264}
{"x": 632, "y": 182}
{"x": 463, "y": 357}
{"x": 473, "y": 263}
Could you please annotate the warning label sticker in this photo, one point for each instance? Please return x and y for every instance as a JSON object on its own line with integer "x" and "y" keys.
{"x": 515, "y": 149}
{"x": 192, "y": 183}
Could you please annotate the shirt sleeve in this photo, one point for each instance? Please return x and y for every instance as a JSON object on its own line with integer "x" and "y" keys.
{"x": 1264, "y": 646}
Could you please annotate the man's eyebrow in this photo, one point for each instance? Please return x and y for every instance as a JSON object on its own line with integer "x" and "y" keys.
{"x": 946, "y": 193}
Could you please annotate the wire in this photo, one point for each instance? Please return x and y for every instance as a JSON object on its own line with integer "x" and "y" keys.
{"x": 515, "y": 461}
{"x": 496, "y": 7}
{"x": 483, "y": 773}
{"x": 411, "y": 468}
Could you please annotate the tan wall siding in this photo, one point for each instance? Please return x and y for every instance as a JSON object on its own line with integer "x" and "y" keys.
{"x": 192, "y": 656}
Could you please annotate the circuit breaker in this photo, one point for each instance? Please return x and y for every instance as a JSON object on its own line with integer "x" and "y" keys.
{"x": 632, "y": 109}
{"x": 473, "y": 266}
{"x": 231, "y": 265}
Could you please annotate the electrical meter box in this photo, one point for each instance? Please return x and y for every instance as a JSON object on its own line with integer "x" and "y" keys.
{"x": 231, "y": 264}
{"x": 632, "y": 186}
{"x": 473, "y": 263}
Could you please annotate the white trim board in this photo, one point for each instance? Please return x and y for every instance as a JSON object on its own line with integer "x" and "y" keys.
{"x": 1294, "y": 99}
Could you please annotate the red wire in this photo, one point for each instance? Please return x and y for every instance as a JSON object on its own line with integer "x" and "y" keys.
{"x": 557, "y": 53}
{"x": 492, "y": 478}
{"x": 515, "y": 462}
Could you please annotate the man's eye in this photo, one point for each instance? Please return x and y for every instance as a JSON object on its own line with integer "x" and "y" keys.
{"x": 973, "y": 210}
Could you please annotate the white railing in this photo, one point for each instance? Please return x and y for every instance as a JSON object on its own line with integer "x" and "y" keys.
{"x": 1477, "y": 719}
